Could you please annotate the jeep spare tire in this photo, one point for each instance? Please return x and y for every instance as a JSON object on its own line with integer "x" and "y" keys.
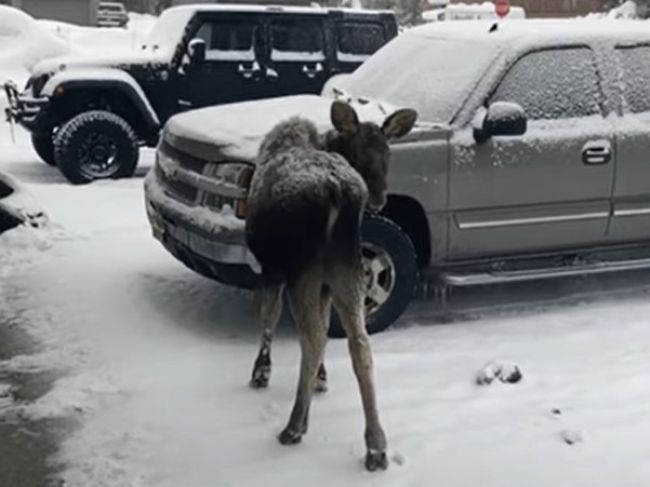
{"x": 44, "y": 147}
{"x": 96, "y": 145}
{"x": 390, "y": 272}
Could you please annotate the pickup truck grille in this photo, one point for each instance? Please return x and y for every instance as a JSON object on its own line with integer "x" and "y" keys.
{"x": 198, "y": 182}
{"x": 176, "y": 188}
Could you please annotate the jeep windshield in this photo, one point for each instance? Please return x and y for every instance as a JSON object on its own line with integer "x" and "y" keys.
{"x": 430, "y": 74}
{"x": 168, "y": 29}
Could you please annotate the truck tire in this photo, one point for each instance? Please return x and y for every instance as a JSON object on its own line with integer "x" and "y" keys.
{"x": 44, "y": 147}
{"x": 391, "y": 272}
{"x": 96, "y": 145}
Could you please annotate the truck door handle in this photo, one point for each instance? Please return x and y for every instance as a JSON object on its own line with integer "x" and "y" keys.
{"x": 597, "y": 152}
{"x": 312, "y": 72}
{"x": 248, "y": 72}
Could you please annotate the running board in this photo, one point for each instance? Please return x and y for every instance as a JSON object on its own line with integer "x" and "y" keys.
{"x": 461, "y": 279}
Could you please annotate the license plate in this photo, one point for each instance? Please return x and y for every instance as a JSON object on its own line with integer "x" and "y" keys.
{"x": 157, "y": 225}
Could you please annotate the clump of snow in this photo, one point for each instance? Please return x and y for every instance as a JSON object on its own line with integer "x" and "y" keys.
{"x": 504, "y": 371}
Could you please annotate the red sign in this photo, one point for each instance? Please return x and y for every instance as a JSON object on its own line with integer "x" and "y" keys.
{"x": 502, "y": 7}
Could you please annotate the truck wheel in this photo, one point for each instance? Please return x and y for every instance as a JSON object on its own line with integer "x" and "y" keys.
{"x": 44, "y": 147}
{"x": 96, "y": 145}
{"x": 391, "y": 274}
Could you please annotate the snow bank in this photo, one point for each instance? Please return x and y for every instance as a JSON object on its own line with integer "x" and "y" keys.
{"x": 24, "y": 42}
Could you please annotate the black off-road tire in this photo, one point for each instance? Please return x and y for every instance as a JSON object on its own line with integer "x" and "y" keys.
{"x": 88, "y": 131}
{"x": 381, "y": 233}
{"x": 44, "y": 146}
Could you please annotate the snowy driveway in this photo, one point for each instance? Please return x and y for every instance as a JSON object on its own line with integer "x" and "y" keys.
{"x": 155, "y": 363}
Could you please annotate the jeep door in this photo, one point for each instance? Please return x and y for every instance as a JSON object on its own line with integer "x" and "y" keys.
{"x": 546, "y": 190}
{"x": 631, "y": 196}
{"x": 232, "y": 70}
{"x": 298, "y": 61}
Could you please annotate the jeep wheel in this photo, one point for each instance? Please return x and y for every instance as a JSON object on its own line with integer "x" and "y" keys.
{"x": 44, "y": 147}
{"x": 390, "y": 271}
{"x": 96, "y": 145}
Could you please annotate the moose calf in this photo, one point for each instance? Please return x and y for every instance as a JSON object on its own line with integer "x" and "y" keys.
{"x": 305, "y": 205}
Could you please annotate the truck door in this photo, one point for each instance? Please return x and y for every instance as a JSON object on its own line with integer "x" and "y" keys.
{"x": 550, "y": 188}
{"x": 631, "y": 197}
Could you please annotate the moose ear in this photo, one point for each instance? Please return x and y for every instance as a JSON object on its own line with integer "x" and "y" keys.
{"x": 344, "y": 118}
{"x": 399, "y": 123}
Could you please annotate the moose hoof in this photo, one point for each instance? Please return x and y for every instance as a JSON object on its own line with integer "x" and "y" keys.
{"x": 376, "y": 460}
{"x": 260, "y": 378}
{"x": 321, "y": 386}
{"x": 289, "y": 437}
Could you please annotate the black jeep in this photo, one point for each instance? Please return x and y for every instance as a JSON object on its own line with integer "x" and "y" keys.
{"x": 89, "y": 115}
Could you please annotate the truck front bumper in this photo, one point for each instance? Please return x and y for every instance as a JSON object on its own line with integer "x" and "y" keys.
{"x": 199, "y": 239}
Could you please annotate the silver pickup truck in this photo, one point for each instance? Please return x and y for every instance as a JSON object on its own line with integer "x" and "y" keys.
{"x": 531, "y": 159}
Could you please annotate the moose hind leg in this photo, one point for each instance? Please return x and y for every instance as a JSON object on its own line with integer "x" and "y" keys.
{"x": 305, "y": 300}
{"x": 348, "y": 300}
{"x": 270, "y": 311}
{"x": 326, "y": 313}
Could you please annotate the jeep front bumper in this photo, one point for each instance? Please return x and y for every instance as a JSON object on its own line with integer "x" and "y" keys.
{"x": 22, "y": 107}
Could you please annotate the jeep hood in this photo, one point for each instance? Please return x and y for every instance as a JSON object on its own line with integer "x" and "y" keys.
{"x": 235, "y": 131}
{"x": 125, "y": 61}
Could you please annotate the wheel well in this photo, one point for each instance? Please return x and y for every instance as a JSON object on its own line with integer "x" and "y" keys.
{"x": 78, "y": 101}
{"x": 410, "y": 216}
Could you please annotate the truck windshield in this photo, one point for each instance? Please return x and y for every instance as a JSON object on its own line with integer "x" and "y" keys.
{"x": 432, "y": 75}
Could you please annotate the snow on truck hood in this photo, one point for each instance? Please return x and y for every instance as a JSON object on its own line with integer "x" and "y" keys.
{"x": 236, "y": 130}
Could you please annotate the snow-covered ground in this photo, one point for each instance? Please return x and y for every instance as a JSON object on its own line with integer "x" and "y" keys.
{"x": 155, "y": 362}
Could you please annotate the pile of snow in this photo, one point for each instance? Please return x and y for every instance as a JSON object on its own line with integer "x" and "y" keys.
{"x": 24, "y": 42}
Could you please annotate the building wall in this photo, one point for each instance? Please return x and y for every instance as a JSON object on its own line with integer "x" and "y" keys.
{"x": 82, "y": 12}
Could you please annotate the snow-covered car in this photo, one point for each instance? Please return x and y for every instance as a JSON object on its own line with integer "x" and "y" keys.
{"x": 529, "y": 161}
{"x": 89, "y": 114}
{"x": 17, "y": 207}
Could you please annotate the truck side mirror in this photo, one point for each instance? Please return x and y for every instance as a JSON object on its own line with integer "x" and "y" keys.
{"x": 502, "y": 118}
{"x": 196, "y": 51}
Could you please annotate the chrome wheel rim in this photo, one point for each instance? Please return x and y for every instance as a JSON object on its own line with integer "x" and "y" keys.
{"x": 379, "y": 275}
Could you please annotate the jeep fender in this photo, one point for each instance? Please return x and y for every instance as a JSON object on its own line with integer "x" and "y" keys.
{"x": 104, "y": 78}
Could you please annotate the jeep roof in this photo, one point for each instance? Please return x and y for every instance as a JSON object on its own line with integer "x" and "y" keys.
{"x": 174, "y": 19}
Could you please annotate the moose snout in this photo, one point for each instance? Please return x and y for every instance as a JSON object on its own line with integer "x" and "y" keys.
{"x": 377, "y": 201}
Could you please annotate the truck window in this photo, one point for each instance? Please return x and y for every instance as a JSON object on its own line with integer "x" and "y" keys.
{"x": 229, "y": 39}
{"x": 297, "y": 40}
{"x": 359, "y": 40}
{"x": 635, "y": 62}
{"x": 553, "y": 84}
